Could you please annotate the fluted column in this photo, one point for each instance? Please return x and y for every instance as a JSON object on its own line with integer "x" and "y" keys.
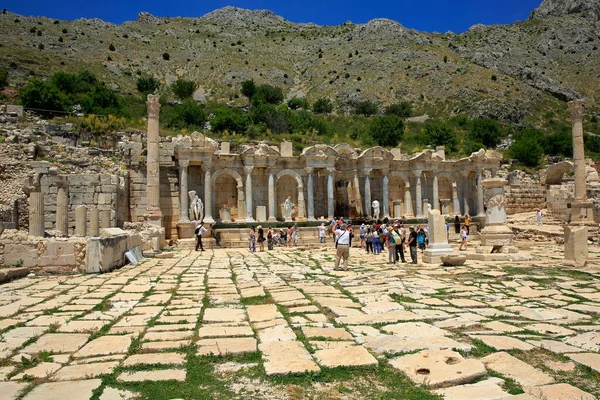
{"x": 480, "y": 210}
{"x": 208, "y": 217}
{"x": 249, "y": 214}
{"x": 153, "y": 212}
{"x": 418, "y": 194}
{"x": 455, "y": 202}
{"x": 408, "y": 208}
{"x": 36, "y": 212}
{"x": 62, "y": 209}
{"x": 435, "y": 200}
{"x": 311, "y": 194}
{"x": 368, "y": 209}
{"x": 386, "y": 195}
{"x": 184, "y": 206}
{"x": 330, "y": 195}
{"x": 465, "y": 192}
{"x": 272, "y": 205}
{"x": 357, "y": 194}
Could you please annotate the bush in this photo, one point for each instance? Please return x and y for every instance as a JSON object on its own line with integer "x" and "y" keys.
{"x": 43, "y": 96}
{"x": 269, "y": 94}
{"x": 99, "y": 125}
{"x": 559, "y": 144}
{"x": 485, "y": 131}
{"x": 303, "y": 122}
{"x": 3, "y": 78}
{"x": 229, "y": 119}
{"x": 187, "y": 115}
{"x": 403, "y": 109}
{"x": 111, "y": 47}
{"x": 366, "y": 108}
{"x": 322, "y": 106}
{"x": 248, "y": 89}
{"x": 527, "y": 150}
{"x": 296, "y": 103}
{"x": 166, "y": 56}
{"x": 441, "y": 135}
{"x": 387, "y": 130}
{"x": 147, "y": 84}
{"x": 184, "y": 89}
{"x": 101, "y": 100}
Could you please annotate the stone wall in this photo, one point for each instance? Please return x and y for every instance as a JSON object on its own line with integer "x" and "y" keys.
{"x": 525, "y": 199}
{"x": 103, "y": 254}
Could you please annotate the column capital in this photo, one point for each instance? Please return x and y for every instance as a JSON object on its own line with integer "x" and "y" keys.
{"x": 207, "y": 164}
{"x": 309, "y": 170}
{"x": 576, "y": 109}
{"x": 153, "y": 106}
{"x": 366, "y": 171}
{"x": 184, "y": 163}
{"x": 248, "y": 169}
{"x": 417, "y": 172}
{"x": 331, "y": 170}
{"x": 465, "y": 173}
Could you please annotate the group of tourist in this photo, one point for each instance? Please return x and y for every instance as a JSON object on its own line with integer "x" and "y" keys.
{"x": 284, "y": 237}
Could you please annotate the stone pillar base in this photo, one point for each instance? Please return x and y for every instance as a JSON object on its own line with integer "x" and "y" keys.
{"x": 272, "y": 219}
{"x": 496, "y": 235}
{"x": 288, "y": 219}
{"x": 185, "y": 230}
{"x": 576, "y": 246}
{"x": 433, "y": 254}
{"x": 209, "y": 220}
{"x": 582, "y": 212}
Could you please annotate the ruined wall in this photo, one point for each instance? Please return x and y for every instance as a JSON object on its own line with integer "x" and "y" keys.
{"x": 525, "y": 199}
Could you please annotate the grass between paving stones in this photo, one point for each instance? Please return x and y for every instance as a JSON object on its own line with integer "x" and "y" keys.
{"x": 27, "y": 363}
{"x": 510, "y": 385}
{"x": 256, "y": 300}
{"x": 399, "y": 298}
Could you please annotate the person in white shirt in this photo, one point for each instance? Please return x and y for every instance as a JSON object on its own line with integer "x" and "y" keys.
{"x": 342, "y": 242}
{"x": 322, "y": 230}
{"x": 199, "y": 231}
{"x": 539, "y": 216}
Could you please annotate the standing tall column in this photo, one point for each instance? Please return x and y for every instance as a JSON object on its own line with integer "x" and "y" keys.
{"x": 576, "y": 110}
{"x": 311, "y": 195}
{"x": 36, "y": 211}
{"x": 408, "y": 208}
{"x": 418, "y": 195}
{"x": 301, "y": 202}
{"x": 153, "y": 212}
{"x": 465, "y": 192}
{"x": 386, "y": 195}
{"x": 330, "y": 198}
{"x": 272, "y": 205}
{"x": 248, "y": 170}
{"x": 94, "y": 222}
{"x": 455, "y": 202}
{"x": 62, "y": 209}
{"x": 368, "y": 212}
{"x": 357, "y": 195}
{"x": 480, "y": 207}
{"x": 184, "y": 206}
{"x": 208, "y": 217}
{"x": 436, "y": 193}
{"x": 81, "y": 221}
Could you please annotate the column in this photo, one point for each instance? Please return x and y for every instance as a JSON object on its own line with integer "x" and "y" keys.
{"x": 81, "y": 221}
{"x": 436, "y": 199}
{"x": 480, "y": 210}
{"x": 330, "y": 198}
{"x": 208, "y": 217}
{"x": 576, "y": 110}
{"x": 94, "y": 222}
{"x": 153, "y": 212}
{"x": 184, "y": 200}
{"x": 408, "y": 208}
{"x": 301, "y": 202}
{"x": 368, "y": 209}
{"x": 248, "y": 170}
{"x": 36, "y": 213}
{"x": 105, "y": 221}
{"x": 386, "y": 195}
{"x": 311, "y": 195}
{"x": 272, "y": 197}
{"x": 455, "y": 202}
{"x": 357, "y": 194}
{"x": 465, "y": 192}
{"x": 62, "y": 209}
{"x": 418, "y": 195}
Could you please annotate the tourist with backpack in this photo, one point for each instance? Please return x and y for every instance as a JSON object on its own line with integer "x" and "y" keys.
{"x": 412, "y": 244}
{"x": 421, "y": 240}
{"x": 199, "y": 231}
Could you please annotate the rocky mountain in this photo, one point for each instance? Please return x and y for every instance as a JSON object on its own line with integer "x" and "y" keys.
{"x": 518, "y": 73}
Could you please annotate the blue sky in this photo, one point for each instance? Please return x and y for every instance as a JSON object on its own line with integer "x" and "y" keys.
{"x": 425, "y": 15}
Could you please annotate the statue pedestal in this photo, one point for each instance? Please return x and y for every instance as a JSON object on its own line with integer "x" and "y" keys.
{"x": 185, "y": 230}
{"x": 433, "y": 254}
{"x": 288, "y": 219}
{"x": 582, "y": 212}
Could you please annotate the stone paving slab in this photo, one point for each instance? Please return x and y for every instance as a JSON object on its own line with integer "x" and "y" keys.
{"x": 489, "y": 389}
{"x": 512, "y": 367}
{"x": 155, "y": 358}
{"x": 591, "y": 360}
{"x": 57, "y": 343}
{"x": 559, "y": 391}
{"x": 72, "y": 390}
{"x": 105, "y": 345}
{"x": 74, "y": 372}
{"x": 222, "y": 347}
{"x": 348, "y": 356}
{"x": 157, "y": 375}
{"x": 289, "y": 357}
{"x": 11, "y": 390}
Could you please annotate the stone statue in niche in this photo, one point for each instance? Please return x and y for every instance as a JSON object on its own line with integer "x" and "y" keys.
{"x": 196, "y": 206}
{"x": 287, "y": 207}
{"x": 376, "y": 210}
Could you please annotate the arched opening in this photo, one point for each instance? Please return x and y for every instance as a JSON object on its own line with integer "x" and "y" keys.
{"x": 445, "y": 195}
{"x": 226, "y": 197}
{"x": 397, "y": 187}
{"x": 286, "y": 186}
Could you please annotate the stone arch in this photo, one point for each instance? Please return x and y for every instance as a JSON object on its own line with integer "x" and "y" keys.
{"x": 301, "y": 210}
{"x": 554, "y": 174}
{"x": 228, "y": 197}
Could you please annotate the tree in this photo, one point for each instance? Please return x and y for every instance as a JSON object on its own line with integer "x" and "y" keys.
{"x": 230, "y": 119}
{"x": 387, "y": 130}
{"x": 111, "y": 47}
{"x": 187, "y": 115}
{"x": 269, "y": 94}
{"x": 296, "y": 103}
{"x": 322, "y": 106}
{"x": 403, "y": 109}
{"x": 184, "y": 89}
{"x": 101, "y": 100}
{"x": 441, "y": 135}
{"x": 3, "y": 78}
{"x": 365, "y": 107}
{"x": 248, "y": 88}
{"x": 485, "y": 131}
{"x": 147, "y": 84}
{"x": 527, "y": 150}
{"x": 42, "y": 96}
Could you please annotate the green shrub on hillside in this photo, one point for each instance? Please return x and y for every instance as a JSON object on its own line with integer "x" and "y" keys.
{"x": 387, "y": 130}
{"x": 44, "y": 97}
{"x": 296, "y": 103}
{"x": 187, "y": 115}
{"x": 365, "y": 107}
{"x": 403, "y": 109}
{"x": 485, "y": 131}
{"x": 147, "y": 84}
{"x": 3, "y": 78}
{"x": 184, "y": 89}
{"x": 441, "y": 135}
{"x": 322, "y": 106}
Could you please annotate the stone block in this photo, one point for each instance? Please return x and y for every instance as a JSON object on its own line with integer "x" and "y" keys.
{"x": 13, "y": 253}
{"x": 58, "y": 254}
{"x": 261, "y": 213}
{"x": 286, "y": 149}
{"x": 576, "y": 245}
{"x": 225, "y": 147}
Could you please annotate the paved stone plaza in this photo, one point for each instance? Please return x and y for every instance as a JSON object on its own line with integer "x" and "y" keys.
{"x": 472, "y": 332}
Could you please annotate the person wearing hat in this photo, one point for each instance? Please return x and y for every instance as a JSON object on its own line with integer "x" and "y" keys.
{"x": 199, "y": 231}
{"x": 261, "y": 238}
{"x": 362, "y": 233}
{"x": 412, "y": 244}
{"x": 322, "y": 230}
{"x": 342, "y": 244}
